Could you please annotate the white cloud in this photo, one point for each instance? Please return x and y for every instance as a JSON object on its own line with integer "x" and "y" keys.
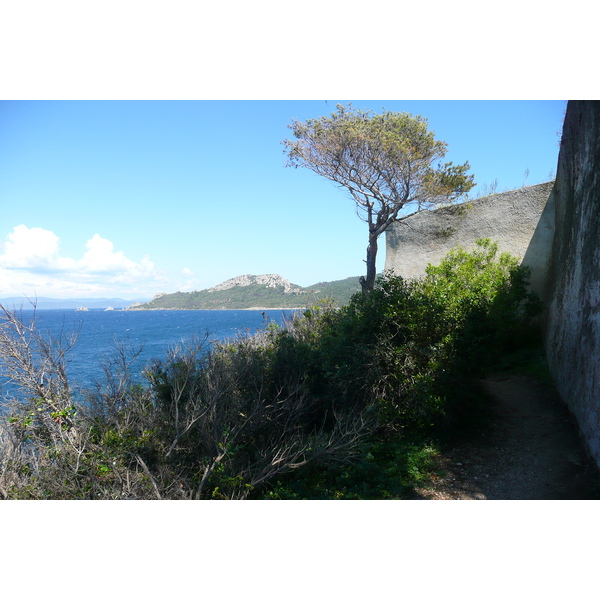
{"x": 33, "y": 249}
{"x": 101, "y": 258}
{"x": 31, "y": 264}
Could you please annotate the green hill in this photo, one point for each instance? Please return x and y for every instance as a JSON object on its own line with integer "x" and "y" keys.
{"x": 341, "y": 290}
{"x": 254, "y": 291}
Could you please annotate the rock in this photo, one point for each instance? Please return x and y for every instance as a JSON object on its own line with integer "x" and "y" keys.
{"x": 271, "y": 281}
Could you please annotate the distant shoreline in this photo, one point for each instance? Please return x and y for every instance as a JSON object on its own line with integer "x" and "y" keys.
{"x": 249, "y": 308}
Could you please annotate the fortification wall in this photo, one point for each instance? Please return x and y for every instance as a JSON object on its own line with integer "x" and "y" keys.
{"x": 573, "y": 316}
{"x": 555, "y": 228}
{"x": 521, "y": 221}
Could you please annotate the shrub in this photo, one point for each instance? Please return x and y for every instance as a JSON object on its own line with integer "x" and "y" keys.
{"x": 412, "y": 346}
{"x": 342, "y": 401}
{"x": 441, "y": 331}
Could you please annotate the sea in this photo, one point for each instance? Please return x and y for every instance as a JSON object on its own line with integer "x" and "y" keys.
{"x": 152, "y": 332}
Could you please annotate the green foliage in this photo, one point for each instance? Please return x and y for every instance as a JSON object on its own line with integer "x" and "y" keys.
{"x": 384, "y": 469}
{"x": 339, "y": 403}
{"x": 387, "y": 157}
{"x": 411, "y": 346}
{"x": 384, "y": 161}
{"x": 416, "y": 348}
{"x": 483, "y": 298}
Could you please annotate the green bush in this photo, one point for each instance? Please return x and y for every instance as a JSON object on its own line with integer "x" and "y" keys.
{"x": 412, "y": 346}
{"x": 339, "y": 403}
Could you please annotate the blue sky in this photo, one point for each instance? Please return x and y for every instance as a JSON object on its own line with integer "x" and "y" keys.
{"x": 132, "y": 198}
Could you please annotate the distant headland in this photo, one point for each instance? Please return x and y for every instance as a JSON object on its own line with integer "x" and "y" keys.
{"x": 254, "y": 292}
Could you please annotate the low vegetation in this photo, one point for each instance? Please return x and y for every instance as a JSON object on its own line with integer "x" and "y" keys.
{"x": 343, "y": 402}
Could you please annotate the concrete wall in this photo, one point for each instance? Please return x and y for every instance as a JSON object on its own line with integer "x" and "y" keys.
{"x": 555, "y": 228}
{"x": 521, "y": 221}
{"x": 573, "y": 318}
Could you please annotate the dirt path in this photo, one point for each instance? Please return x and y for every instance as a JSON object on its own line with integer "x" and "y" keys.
{"x": 529, "y": 450}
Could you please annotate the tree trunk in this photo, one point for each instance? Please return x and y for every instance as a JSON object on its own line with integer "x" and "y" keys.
{"x": 368, "y": 282}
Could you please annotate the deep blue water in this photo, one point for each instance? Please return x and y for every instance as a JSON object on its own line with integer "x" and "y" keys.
{"x": 155, "y": 331}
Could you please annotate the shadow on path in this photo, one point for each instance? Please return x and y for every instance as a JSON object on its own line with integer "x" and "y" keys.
{"x": 529, "y": 450}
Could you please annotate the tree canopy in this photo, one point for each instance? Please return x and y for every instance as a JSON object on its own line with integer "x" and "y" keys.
{"x": 385, "y": 161}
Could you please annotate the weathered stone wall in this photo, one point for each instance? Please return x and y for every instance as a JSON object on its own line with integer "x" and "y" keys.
{"x": 573, "y": 318}
{"x": 555, "y": 229}
{"x": 521, "y": 221}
